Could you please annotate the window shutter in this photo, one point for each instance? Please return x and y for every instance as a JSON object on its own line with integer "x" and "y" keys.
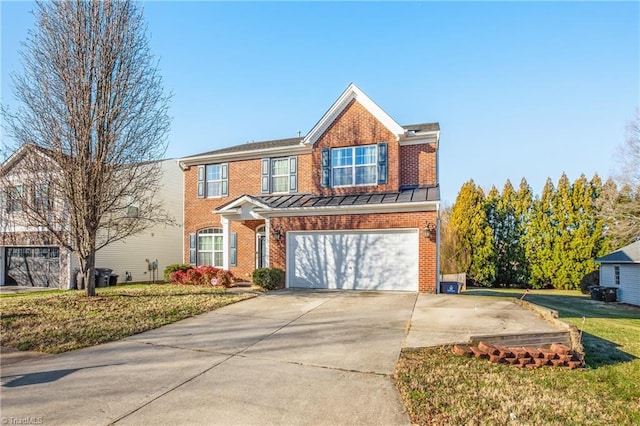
{"x": 224, "y": 169}
{"x": 200, "y": 181}
{"x": 233, "y": 249}
{"x": 192, "y": 248}
{"x": 265, "y": 175}
{"x": 293, "y": 174}
{"x": 326, "y": 167}
{"x": 382, "y": 163}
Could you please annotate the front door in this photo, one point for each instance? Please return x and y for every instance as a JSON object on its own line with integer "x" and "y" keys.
{"x": 261, "y": 250}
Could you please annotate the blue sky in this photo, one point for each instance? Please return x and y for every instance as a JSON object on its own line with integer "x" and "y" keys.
{"x": 520, "y": 89}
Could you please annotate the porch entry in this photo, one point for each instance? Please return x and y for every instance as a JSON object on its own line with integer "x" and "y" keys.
{"x": 261, "y": 247}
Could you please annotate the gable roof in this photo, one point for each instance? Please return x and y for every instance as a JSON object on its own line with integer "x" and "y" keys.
{"x": 352, "y": 92}
{"x": 627, "y": 254}
{"x": 20, "y": 153}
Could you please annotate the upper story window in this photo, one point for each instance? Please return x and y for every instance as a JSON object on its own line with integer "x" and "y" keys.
{"x": 14, "y": 196}
{"x": 41, "y": 197}
{"x": 213, "y": 181}
{"x": 616, "y": 275}
{"x": 279, "y": 175}
{"x": 354, "y": 165}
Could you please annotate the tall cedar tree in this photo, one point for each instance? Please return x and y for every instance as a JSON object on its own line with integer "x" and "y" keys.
{"x": 93, "y": 107}
{"x": 523, "y": 209}
{"x": 469, "y": 222}
{"x": 539, "y": 241}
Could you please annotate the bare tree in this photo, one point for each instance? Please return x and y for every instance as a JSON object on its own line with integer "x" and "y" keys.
{"x": 91, "y": 127}
{"x": 620, "y": 204}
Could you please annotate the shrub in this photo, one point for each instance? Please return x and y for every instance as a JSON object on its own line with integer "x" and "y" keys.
{"x": 173, "y": 268}
{"x": 269, "y": 278}
{"x": 591, "y": 279}
{"x": 207, "y": 273}
{"x": 225, "y": 278}
{"x": 202, "y": 276}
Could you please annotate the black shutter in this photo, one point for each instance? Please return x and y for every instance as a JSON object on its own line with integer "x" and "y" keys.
{"x": 293, "y": 174}
{"x": 192, "y": 248}
{"x": 266, "y": 168}
{"x": 382, "y": 163}
{"x": 326, "y": 167}
{"x": 200, "y": 181}
{"x": 224, "y": 170}
{"x": 233, "y": 249}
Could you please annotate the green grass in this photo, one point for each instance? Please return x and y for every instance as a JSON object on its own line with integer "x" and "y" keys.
{"x": 59, "y": 321}
{"x": 441, "y": 388}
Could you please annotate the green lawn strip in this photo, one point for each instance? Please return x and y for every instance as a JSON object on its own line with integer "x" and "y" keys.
{"x": 67, "y": 321}
{"x": 439, "y": 387}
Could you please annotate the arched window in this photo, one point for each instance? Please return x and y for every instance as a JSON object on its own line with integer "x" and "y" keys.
{"x": 210, "y": 247}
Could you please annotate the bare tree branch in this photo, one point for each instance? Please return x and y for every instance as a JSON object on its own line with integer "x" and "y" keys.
{"x": 93, "y": 121}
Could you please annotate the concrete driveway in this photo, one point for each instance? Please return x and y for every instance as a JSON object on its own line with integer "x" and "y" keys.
{"x": 288, "y": 357}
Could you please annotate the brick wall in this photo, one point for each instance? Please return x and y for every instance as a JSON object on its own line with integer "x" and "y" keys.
{"x": 427, "y": 247}
{"x": 418, "y": 165}
{"x": 356, "y": 126}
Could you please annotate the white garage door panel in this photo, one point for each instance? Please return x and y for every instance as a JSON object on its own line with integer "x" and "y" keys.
{"x": 354, "y": 260}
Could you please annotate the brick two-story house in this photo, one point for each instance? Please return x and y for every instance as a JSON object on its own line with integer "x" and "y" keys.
{"x": 352, "y": 205}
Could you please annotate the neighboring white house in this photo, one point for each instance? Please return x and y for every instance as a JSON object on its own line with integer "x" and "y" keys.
{"x": 133, "y": 258}
{"x": 621, "y": 269}
{"x": 29, "y": 256}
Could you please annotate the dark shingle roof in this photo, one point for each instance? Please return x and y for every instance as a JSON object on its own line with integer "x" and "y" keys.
{"x": 422, "y": 127}
{"x": 252, "y": 146}
{"x": 411, "y": 195}
{"x": 279, "y": 143}
{"x": 627, "y": 254}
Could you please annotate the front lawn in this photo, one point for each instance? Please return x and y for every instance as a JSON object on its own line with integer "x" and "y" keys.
{"x": 57, "y": 322}
{"x": 441, "y": 388}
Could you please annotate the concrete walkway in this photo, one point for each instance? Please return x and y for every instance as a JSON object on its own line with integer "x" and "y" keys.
{"x": 286, "y": 357}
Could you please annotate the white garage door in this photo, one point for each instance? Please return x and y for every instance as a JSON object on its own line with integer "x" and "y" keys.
{"x": 354, "y": 260}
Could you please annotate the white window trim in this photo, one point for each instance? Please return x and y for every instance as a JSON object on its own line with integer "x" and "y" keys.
{"x": 213, "y": 251}
{"x": 272, "y": 176}
{"x": 206, "y": 181}
{"x": 353, "y": 166}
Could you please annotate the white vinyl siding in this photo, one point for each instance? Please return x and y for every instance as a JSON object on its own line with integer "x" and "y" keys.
{"x": 629, "y": 288}
{"x": 161, "y": 242}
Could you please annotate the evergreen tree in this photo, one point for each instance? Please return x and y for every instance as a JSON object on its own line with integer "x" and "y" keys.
{"x": 539, "y": 238}
{"x": 523, "y": 209}
{"x": 559, "y": 269}
{"x": 469, "y": 222}
{"x": 509, "y": 252}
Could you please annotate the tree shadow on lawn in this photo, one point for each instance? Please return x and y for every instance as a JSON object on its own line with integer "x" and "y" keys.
{"x": 600, "y": 352}
{"x": 575, "y": 306}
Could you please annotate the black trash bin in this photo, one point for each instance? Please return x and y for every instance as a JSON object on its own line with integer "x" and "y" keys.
{"x": 610, "y": 294}
{"x": 113, "y": 279}
{"x": 449, "y": 287}
{"x": 597, "y": 292}
{"x": 102, "y": 277}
